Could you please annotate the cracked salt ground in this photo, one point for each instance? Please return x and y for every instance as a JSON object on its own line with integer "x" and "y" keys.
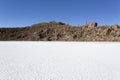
{"x": 55, "y": 69}
{"x": 34, "y": 65}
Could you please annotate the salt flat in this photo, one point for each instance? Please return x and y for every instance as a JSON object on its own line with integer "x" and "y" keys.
{"x": 59, "y": 61}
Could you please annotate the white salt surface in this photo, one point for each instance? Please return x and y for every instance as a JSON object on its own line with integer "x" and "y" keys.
{"x": 59, "y": 61}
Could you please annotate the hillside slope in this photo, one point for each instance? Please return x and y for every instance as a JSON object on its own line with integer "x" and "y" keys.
{"x": 58, "y": 31}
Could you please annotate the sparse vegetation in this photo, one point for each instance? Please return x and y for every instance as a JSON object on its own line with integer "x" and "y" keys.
{"x": 59, "y": 31}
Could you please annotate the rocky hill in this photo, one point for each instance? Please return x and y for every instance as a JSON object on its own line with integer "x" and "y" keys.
{"x": 59, "y": 31}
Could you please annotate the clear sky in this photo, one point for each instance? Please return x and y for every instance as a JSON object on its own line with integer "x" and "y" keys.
{"x": 74, "y": 12}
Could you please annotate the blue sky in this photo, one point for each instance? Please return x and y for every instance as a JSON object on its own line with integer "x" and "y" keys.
{"x": 15, "y": 13}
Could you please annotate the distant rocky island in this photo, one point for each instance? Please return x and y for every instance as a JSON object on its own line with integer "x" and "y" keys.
{"x": 59, "y": 31}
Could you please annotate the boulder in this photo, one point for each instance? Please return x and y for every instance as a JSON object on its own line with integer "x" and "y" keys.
{"x": 115, "y": 27}
{"x": 91, "y": 25}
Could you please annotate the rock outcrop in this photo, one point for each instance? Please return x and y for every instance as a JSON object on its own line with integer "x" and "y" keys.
{"x": 91, "y": 25}
{"x": 58, "y": 31}
{"x": 115, "y": 27}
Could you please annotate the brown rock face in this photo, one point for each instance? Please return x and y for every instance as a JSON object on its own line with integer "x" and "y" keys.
{"x": 91, "y": 25}
{"x": 58, "y": 31}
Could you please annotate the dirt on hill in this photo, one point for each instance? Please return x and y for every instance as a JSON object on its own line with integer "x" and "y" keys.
{"x": 59, "y": 31}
